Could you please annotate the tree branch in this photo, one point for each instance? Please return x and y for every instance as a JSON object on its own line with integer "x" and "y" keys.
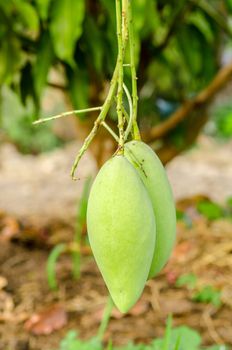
{"x": 203, "y": 98}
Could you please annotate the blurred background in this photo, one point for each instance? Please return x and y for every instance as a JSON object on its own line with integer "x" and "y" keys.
{"x": 57, "y": 56}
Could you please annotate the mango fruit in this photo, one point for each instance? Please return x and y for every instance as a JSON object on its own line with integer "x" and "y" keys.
{"x": 121, "y": 229}
{"x": 153, "y": 175}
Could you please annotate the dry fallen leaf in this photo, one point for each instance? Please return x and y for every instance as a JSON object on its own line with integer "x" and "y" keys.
{"x": 9, "y": 230}
{"x": 47, "y": 321}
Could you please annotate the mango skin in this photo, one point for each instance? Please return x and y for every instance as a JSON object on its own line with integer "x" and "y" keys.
{"x": 153, "y": 175}
{"x": 121, "y": 229}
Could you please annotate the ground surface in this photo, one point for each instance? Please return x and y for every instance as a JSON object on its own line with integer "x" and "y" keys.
{"x": 204, "y": 250}
{"x": 40, "y": 186}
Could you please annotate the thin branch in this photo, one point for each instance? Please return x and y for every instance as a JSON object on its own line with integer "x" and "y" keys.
{"x": 66, "y": 114}
{"x": 108, "y": 128}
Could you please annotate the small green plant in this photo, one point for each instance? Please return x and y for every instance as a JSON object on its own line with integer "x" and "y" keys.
{"x": 189, "y": 280}
{"x": 179, "y": 338}
{"x": 208, "y": 294}
{"x": 211, "y": 210}
{"x": 72, "y": 248}
{"x": 222, "y": 121}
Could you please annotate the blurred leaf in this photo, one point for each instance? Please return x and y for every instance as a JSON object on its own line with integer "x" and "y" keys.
{"x": 42, "y": 64}
{"x": 138, "y": 9}
{"x": 82, "y": 208}
{"x": 229, "y": 202}
{"x": 168, "y": 334}
{"x": 190, "y": 45}
{"x": 94, "y": 44}
{"x": 109, "y": 5}
{"x": 17, "y": 123}
{"x": 43, "y": 7}
{"x": 188, "y": 280}
{"x": 29, "y": 16}
{"x": 225, "y": 125}
{"x": 27, "y": 85}
{"x": 66, "y": 27}
{"x": 208, "y": 295}
{"x": 51, "y": 264}
{"x": 80, "y": 222}
{"x": 10, "y": 59}
{"x": 71, "y": 342}
{"x": 187, "y": 338}
{"x": 47, "y": 321}
{"x": 228, "y": 4}
{"x": 199, "y": 20}
{"x": 210, "y": 210}
{"x": 151, "y": 18}
{"x": 79, "y": 88}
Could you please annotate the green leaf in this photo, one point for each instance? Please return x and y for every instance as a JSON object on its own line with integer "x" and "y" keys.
{"x": 228, "y": 4}
{"x": 42, "y": 64}
{"x": 27, "y": 86}
{"x": 184, "y": 336}
{"x": 66, "y": 27}
{"x": 208, "y": 295}
{"x": 17, "y": 124}
{"x": 210, "y": 210}
{"x": 71, "y": 342}
{"x": 10, "y": 58}
{"x": 190, "y": 46}
{"x": 199, "y": 20}
{"x": 28, "y": 15}
{"x": 79, "y": 87}
{"x": 138, "y": 8}
{"x": 94, "y": 44}
{"x": 80, "y": 221}
{"x": 51, "y": 264}
{"x": 229, "y": 202}
{"x": 168, "y": 333}
{"x": 188, "y": 280}
{"x": 43, "y": 7}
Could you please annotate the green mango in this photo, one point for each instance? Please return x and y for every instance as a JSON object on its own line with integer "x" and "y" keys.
{"x": 153, "y": 175}
{"x": 121, "y": 229}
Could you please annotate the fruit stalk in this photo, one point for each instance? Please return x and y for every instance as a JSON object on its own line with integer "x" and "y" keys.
{"x": 133, "y": 72}
{"x": 98, "y": 121}
{"x": 120, "y": 75}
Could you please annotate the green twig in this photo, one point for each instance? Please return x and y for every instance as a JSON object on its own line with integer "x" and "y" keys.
{"x": 133, "y": 72}
{"x": 108, "y": 128}
{"x": 130, "y": 121}
{"x": 120, "y": 74}
{"x": 66, "y": 114}
{"x": 124, "y": 21}
{"x": 105, "y": 319}
{"x": 98, "y": 121}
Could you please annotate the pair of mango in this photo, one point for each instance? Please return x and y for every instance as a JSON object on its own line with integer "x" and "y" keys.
{"x": 131, "y": 221}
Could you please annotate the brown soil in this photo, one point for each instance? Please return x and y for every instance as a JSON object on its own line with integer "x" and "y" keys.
{"x": 205, "y": 250}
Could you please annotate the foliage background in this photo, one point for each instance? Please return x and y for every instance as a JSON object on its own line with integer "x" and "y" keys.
{"x": 179, "y": 47}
